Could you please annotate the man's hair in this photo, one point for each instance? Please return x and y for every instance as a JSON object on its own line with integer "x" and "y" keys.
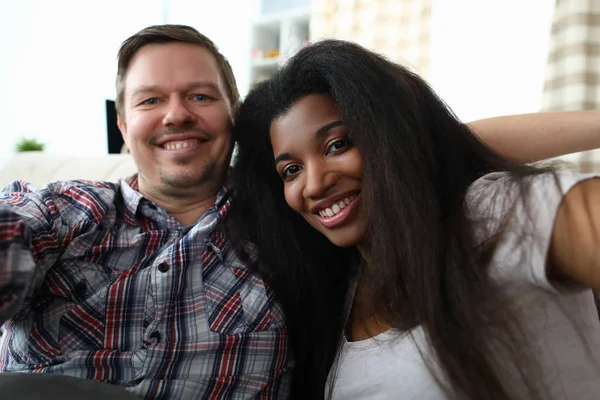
{"x": 162, "y": 34}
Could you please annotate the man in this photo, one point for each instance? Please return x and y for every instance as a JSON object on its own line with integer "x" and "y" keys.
{"x": 135, "y": 283}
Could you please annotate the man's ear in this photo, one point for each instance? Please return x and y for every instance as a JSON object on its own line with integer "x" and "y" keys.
{"x": 123, "y": 128}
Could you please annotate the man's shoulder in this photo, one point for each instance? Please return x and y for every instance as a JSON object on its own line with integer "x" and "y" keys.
{"x": 64, "y": 187}
{"x": 60, "y": 187}
{"x": 73, "y": 200}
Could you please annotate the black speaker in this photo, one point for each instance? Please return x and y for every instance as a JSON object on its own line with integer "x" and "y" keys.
{"x": 113, "y": 134}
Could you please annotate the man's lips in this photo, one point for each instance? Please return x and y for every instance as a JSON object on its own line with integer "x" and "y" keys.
{"x": 175, "y": 145}
{"x": 179, "y": 138}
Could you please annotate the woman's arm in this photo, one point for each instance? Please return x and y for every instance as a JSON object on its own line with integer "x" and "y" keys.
{"x": 538, "y": 136}
{"x": 575, "y": 244}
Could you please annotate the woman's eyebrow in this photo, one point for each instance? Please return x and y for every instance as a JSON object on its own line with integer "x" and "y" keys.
{"x": 326, "y": 128}
{"x": 318, "y": 134}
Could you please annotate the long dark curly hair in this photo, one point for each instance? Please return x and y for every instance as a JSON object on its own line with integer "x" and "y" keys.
{"x": 424, "y": 268}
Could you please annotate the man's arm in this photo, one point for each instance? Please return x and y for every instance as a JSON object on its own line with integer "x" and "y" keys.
{"x": 29, "y": 244}
{"x": 538, "y": 136}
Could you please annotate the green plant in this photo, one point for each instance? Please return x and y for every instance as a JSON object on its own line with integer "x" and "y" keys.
{"x": 29, "y": 145}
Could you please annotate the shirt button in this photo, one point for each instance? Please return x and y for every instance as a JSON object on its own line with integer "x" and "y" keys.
{"x": 80, "y": 289}
{"x": 155, "y": 336}
{"x": 163, "y": 267}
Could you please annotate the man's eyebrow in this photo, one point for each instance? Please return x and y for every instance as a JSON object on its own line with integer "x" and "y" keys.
{"x": 203, "y": 84}
{"x": 318, "y": 134}
{"x": 146, "y": 89}
{"x": 143, "y": 90}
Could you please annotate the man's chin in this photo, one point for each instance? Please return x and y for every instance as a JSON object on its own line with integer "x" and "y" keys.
{"x": 182, "y": 182}
{"x": 187, "y": 177}
{"x": 185, "y": 160}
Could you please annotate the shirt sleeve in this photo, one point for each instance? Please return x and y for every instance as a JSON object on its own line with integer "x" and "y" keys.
{"x": 520, "y": 222}
{"x": 30, "y": 231}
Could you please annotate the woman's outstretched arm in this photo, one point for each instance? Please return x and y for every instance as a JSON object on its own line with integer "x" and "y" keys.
{"x": 538, "y": 136}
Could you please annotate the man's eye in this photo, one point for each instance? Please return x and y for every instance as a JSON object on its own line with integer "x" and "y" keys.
{"x": 151, "y": 102}
{"x": 339, "y": 144}
{"x": 200, "y": 97}
{"x": 290, "y": 171}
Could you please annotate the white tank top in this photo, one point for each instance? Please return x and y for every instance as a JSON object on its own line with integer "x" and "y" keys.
{"x": 387, "y": 366}
{"x": 562, "y": 321}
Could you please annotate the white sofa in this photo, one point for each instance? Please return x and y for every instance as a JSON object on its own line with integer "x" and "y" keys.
{"x": 39, "y": 168}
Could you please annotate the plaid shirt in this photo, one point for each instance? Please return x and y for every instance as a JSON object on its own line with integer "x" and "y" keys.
{"x": 98, "y": 282}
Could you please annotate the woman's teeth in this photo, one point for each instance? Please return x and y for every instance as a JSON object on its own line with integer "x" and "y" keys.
{"x": 337, "y": 207}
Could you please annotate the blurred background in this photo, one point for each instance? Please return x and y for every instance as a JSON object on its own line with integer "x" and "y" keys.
{"x": 483, "y": 57}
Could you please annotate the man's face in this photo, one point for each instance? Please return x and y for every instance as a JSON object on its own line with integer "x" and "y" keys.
{"x": 177, "y": 119}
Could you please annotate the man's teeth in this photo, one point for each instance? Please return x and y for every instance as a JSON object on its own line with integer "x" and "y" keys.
{"x": 181, "y": 144}
{"x": 337, "y": 207}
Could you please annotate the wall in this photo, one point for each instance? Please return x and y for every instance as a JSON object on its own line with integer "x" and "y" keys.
{"x": 489, "y": 56}
{"x": 58, "y": 62}
{"x": 58, "y": 59}
{"x": 60, "y": 68}
{"x": 227, "y": 23}
{"x": 275, "y": 6}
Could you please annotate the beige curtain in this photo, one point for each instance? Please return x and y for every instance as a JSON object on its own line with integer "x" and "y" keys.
{"x": 573, "y": 66}
{"x": 398, "y": 29}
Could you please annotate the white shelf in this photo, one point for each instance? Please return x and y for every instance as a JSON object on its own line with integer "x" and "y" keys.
{"x": 284, "y": 33}
{"x": 274, "y": 20}
{"x": 272, "y": 62}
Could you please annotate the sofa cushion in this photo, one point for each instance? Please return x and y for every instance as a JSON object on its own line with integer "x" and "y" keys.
{"x": 39, "y": 168}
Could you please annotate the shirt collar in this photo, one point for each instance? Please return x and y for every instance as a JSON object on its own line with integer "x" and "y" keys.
{"x": 131, "y": 196}
{"x": 133, "y": 199}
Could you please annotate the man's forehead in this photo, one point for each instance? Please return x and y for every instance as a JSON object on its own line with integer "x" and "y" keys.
{"x": 173, "y": 65}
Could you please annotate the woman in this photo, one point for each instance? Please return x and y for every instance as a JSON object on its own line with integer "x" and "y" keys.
{"x": 432, "y": 266}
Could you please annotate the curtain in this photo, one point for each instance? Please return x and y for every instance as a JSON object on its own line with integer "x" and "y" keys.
{"x": 397, "y": 29}
{"x": 572, "y": 79}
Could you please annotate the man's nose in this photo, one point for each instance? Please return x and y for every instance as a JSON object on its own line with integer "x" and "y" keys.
{"x": 178, "y": 113}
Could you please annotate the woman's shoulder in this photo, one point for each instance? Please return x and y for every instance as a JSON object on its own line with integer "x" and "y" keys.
{"x": 517, "y": 215}
{"x": 501, "y": 202}
{"x": 503, "y": 188}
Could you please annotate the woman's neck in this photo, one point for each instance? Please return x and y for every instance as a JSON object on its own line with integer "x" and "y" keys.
{"x": 363, "y": 322}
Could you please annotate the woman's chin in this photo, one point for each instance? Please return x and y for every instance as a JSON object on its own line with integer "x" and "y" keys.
{"x": 348, "y": 235}
{"x": 343, "y": 239}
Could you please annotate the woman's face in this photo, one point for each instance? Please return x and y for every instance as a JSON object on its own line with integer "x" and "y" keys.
{"x": 322, "y": 171}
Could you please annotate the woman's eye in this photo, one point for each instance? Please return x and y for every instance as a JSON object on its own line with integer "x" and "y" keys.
{"x": 339, "y": 144}
{"x": 290, "y": 171}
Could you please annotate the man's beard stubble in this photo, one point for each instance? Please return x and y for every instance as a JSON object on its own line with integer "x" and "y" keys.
{"x": 179, "y": 184}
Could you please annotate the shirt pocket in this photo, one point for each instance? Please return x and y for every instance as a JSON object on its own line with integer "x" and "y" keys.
{"x": 237, "y": 301}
